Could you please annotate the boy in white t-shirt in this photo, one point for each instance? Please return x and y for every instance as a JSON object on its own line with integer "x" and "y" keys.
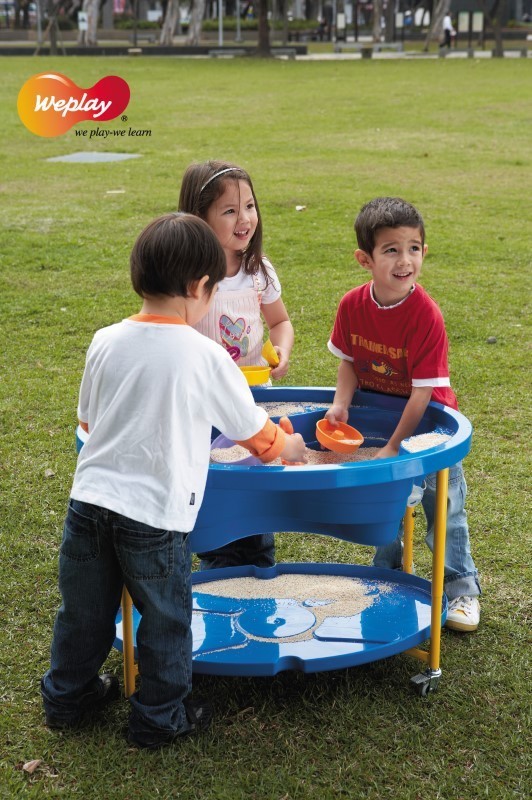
{"x": 152, "y": 389}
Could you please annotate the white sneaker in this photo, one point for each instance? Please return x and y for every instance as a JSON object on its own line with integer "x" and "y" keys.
{"x": 463, "y": 614}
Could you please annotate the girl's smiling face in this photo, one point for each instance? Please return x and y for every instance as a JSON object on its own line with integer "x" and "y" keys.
{"x": 233, "y": 218}
{"x": 395, "y": 263}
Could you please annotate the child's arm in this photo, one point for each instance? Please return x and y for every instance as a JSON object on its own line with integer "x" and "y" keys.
{"x": 410, "y": 419}
{"x": 346, "y": 386}
{"x": 272, "y": 442}
{"x": 281, "y": 334}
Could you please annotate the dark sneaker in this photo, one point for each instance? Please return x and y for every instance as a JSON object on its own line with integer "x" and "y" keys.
{"x": 107, "y": 691}
{"x": 198, "y": 717}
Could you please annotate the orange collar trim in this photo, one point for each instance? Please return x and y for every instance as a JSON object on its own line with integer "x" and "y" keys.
{"x": 158, "y": 319}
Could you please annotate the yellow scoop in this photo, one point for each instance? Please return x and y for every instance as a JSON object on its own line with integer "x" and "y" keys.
{"x": 256, "y": 375}
{"x": 270, "y": 354}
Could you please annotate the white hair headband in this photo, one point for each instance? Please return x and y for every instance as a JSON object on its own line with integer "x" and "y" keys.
{"x": 217, "y": 175}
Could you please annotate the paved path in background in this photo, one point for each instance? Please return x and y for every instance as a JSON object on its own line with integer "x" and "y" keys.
{"x": 413, "y": 55}
{"x": 517, "y": 52}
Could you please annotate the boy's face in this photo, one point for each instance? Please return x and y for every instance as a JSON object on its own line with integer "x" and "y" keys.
{"x": 395, "y": 263}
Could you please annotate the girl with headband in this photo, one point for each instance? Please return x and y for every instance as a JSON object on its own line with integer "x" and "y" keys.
{"x": 222, "y": 194}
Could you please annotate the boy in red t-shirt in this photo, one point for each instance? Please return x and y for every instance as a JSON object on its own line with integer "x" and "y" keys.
{"x": 391, "y": 338}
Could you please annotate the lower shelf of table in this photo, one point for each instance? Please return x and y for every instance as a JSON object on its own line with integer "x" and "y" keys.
{"x": 307, "y": 617}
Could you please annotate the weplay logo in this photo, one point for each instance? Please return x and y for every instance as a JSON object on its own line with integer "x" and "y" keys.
{"x": 49, "y": 104}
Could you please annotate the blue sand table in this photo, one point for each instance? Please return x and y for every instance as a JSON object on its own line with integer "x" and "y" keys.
{"x": 362, "y": 502}
{"x": 240, "y": 636}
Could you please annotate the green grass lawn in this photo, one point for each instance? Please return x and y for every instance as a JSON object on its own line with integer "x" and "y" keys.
{"x": 453, "y": 137}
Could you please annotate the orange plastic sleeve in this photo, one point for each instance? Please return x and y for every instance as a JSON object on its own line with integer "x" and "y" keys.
{"x": 267, "y": 444}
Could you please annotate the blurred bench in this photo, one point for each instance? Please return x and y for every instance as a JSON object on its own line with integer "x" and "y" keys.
{"x": 290, "y": 52}
{"x": 378, "y": 47}
{"x": 339, "y": 47}
{"x": 146, "y": 37}
{"x": 302, "y": 36}
{"x": 228, "y": 52}
{"x": 366, "y": 49}
{"x": 521, "y": 52}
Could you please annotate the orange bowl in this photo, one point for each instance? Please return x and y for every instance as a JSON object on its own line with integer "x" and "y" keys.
{"x": 341, "y": 438}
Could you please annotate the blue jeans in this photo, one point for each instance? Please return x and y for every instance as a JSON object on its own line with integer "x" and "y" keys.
{"x": 460, "y": 574}
{"x": 100, "y": 551}
{"x": 258, "y": 550}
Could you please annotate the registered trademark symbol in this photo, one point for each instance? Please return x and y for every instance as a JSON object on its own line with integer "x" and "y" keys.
{"x": 124, "y": 118}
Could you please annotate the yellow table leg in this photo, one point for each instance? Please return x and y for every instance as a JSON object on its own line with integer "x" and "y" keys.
{"x": 408, "y": 541}
{"x": 428, "y": 681}
{"x": 130, "y": 669}
{"x": 438, "y": 565}
{"x": 408, "y": 567}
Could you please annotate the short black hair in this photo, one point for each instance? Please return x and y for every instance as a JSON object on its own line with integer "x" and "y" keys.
{"x": 385, "y": 212}
{"x": 172, "y": 252}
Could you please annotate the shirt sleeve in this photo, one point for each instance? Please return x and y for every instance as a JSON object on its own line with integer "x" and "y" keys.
{"x": 267, "y": 444}
{"x": 228, "y": 401}
{"x": 238, "y": 417}
{"x": 340, "y": 342}
{"x": 429, "y": 354}
{"x": 338, "y": 353}
{"x": 272, "y": 291}
{"x": 85, "y": 390}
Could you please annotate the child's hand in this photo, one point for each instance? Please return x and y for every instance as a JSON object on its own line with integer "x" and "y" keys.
{"x": 282, "y": 367}
{"x": 388, "y": 451}
{"x": 336, "y": 414}
{"x": 286, "y": 425}
{"x": 294, "y": 449}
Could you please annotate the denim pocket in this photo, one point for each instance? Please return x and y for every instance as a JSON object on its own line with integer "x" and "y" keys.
{"x": 80, "y": 537}
{"x": 143, "y": 554}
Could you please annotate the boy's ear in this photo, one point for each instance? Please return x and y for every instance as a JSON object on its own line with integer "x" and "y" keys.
{"x": 425, "y": 250}
{"x": 363, "y": 259}
{"x": 196, "y": 289}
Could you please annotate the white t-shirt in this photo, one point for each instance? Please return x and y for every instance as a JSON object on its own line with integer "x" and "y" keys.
{"x": 448, "y": 23}
{"x": 150, "y": 394}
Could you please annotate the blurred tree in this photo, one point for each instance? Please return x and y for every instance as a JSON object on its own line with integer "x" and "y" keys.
{"x": 264, "y": 29}
{"x": 378, "y": 6}
{"x": 494, "y": 11}
{"x": 435, "y": 31}
{"x": 90, "y": 36}
{"x": 196, "y": 20}
{"x": 170, "y": 20}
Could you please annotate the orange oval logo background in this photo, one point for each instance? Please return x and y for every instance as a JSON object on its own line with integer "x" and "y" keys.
{"x": 49, "y": 104}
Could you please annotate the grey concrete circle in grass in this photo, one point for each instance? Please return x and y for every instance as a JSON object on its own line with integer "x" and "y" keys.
{"x": 93, "y": 158}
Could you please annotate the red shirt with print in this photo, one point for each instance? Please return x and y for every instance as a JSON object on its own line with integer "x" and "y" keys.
{"x": 394, "y": 348}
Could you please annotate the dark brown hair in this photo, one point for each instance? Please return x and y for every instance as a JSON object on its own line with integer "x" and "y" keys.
{"x": 385, "y": 212}
{"x": 203, "y": 183}
{"x": 172, "y": 252}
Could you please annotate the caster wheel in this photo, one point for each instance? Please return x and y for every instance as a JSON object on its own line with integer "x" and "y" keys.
{"x": 426, "y": 682}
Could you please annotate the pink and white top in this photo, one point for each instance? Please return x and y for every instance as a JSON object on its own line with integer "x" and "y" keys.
{"x": 234, "y": 319}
